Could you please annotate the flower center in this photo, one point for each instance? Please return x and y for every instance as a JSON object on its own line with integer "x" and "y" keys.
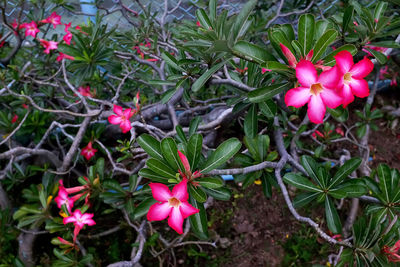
{"x": 174, "y": 202}
{"x": 347, "y": 77}
{"x": 316, "y": 88}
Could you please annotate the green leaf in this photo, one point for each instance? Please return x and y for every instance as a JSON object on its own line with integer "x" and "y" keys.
{"x": 326, "y": 39}
{"x": 219, "y": 46}
{"x": 332, "y": 217}
{"x": 221, "y": 193}
{"x": 114, "y": 185}
{"x": 306, "y": 32}
{"x": 300, "y": 182}
{"x": 320, "y": 27}
{"x": 265, "y": 93}
{"x": 171, "y": 61}
{"x": 347, "y": 17}
{"x": 380, "y": 10}
{"x": 252, "y": 52}
{"x": 155, "y": 177}
{"x": 194, "y": 150}
{"x": 222, "y": 154}
{"x": 304, "y": 198}
{"x": 345, "y": 170}
{"x": 388, "y": 44}
{"x": 340, "y": 114}
{"x": 170, "y": 153}
{"x": 385, "y": 182}
{"x": 268, "y": 108}
{"x": 180, "y": 134}
{"x": 161, "y": 168}
{"x": 361, "y": 131}
{"x": 251, "y": 122}
{"x": 166, "y": 96}
{"x": 198, "y": 84}
{"x": 203, "y": 18}
{"x": 240, "y": 20}
{"x": 150, "y": 145}
{"x": 194, "y": 124}
{"x": 198, "y": 221}
{"x": 380, "y": 57}
{"x": 210, "y": 182}
{"x": 288, "y": 30}
{"x": 212, "y": 8}
{"x": 311, "y": 168}
{"x": 351, "y": 188}
{"x": 198, "y": 193}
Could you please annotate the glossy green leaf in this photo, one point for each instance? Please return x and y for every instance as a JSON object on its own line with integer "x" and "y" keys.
{"x": 198, "y": 221}
{"x": 300, "y": 182}
{"x": 329, "y": 60}
{"x": 198, "y": 193}
{"x": 332, "y": 217}
{"x": 305, "y": 198}
{"x": 240, "y": 20}
{"x": 161, "y": 168}
{"x": 198, "y": 84}
{"x": 221, "y": 193}
{"x": 345, "y": 170}
{"x": 143, "y": 208}
{"x": 155, "y": 177}
{"x": 306, "y": 32}
{"x": 150, "y": 145}
{"x": 320, "y": 47}
{"x": 170, "y": 153}
{"x": 210, "y": 182}
{"x": 252, "y": 52}
{"x": 222, "y": 154}
{"x": 380, "y": 57}
{"x": 347, "y": 18}
{"x": 251, "y": 122}
{"x": 268, "y": 108}
{"x": 203, "y": 18}
{"x": 194, "y": 147}
{"x": 311, "y": 167}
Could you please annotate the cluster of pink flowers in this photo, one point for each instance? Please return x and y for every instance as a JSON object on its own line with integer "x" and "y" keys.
{"x": 141, "y": 53}
{"x": 333, "y": 87}
{"x": 123, "y": 116}
{"x": 325, "y": 135}
{"x": 32, "y": 29}
{"x": 77, "y": 218}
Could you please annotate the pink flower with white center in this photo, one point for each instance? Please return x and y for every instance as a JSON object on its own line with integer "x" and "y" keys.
{"x": 54, "y": 19}
{"x": 85, "y": 91}
{"x": 88, "y": 151}
{"x": 171, "y": 204}
{"x": 67, "y": 38}
{"x": 63, "y": 199}
{"x": 30, "y": 29}
{"x": 79, "y": 220}
{"x": 48, "y": 45}
{"x": 61, "y": 56}
{"x": 317, "y": 91}
{"x": 122, "y": 118}
{"x": 351, "y": 81}
{"x": 14, "y": 119}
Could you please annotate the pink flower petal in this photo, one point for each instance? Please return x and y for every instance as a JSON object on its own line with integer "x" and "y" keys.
{"x": 114, "y": 119}
{"x": 184, "y": 161}
{"x": 347, "y": 95}
{"x": 160, "y": 192}
{"x": 125, "y": 126}
{"x": 128, "y": 113}
{"x": 330, "y": 98}
{"x": 359, "y": 87}
{"x": 292, "y": 61}
{"x": 344, "y": 60}
{"x": 362, "y": 68}
{"x": 297, "y": 97}
{"x": 118, "y": 110}
{"x": 316, "y": 109}
{"x": 175, "y": 220}
{"x": 159, "y": 211}
{"x": 180, "y": 191}
{"x": 306, "y": 73}
{"x": 187, "y": 209}
{"x": 330, "y": 78}
{"x": 70, "y": 219}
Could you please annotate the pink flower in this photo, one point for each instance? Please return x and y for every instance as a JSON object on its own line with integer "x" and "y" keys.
{"x": 392, "y": 253}
{"x": 48, "y": 45}
{"x": 25, "y": 106}
{"x": 264, "y": 70}
{"x": 85, "y": 91}
{"x": 351, "y": 81}
{"x": 79, "y": 220}
{"x": 173, "y": 205}
{"x": 63, "y": 199}
{"x": 67, "y": 38}
{"x": 340, "y": 131}
{"x": 187, "y": 172}
{"x": 355, "y": 23}
{"x": 61, "y": 56}
{"x": 88, "y": 151}
{"x": 198, "y": 24}
{"x": 314, "y": 134}
{"x": 30, "y": 29}
{"x": 317, "y": 91}
{"x": 67, "y": 26}
{"x": 14, "y": 119}
{"x": 53, "y": 19}
{"x": 122, "y": 118}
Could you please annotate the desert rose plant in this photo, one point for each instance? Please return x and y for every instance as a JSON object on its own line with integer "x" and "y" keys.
{"x": 120, "y": 142}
